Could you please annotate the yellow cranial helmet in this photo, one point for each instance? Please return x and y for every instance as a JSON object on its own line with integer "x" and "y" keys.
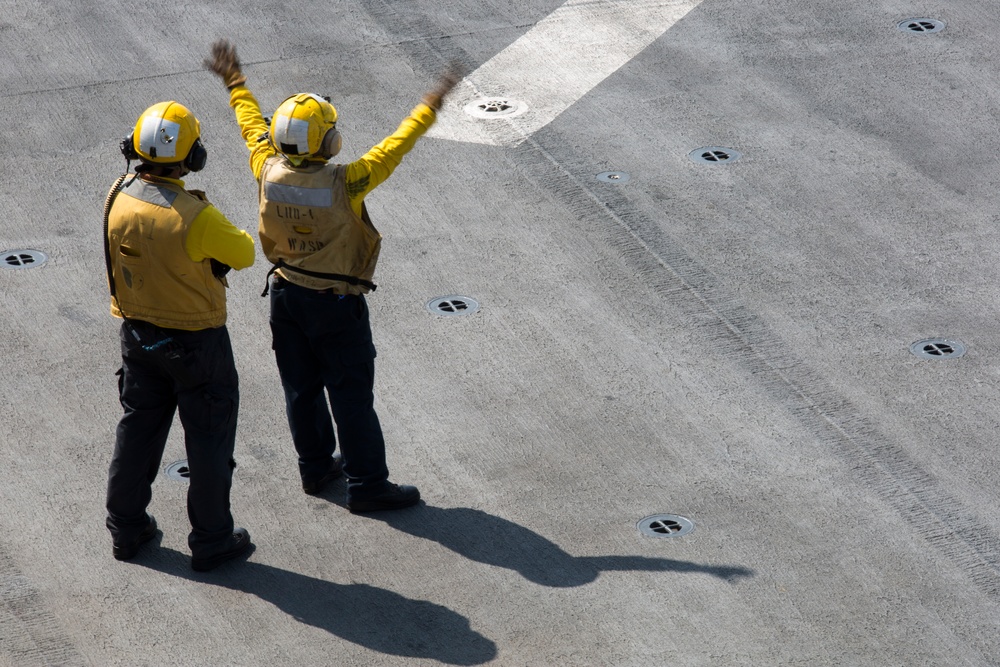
{"x": 305, "y": 125}
{"x": 168, "y": 133}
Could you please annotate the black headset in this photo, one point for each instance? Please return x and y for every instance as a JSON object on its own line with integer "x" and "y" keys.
{"x": 194, "y": 161}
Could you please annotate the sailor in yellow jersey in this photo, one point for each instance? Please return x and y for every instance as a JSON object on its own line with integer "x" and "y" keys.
{"x": 168, "y": 250}
{"x": 315, "y": 230}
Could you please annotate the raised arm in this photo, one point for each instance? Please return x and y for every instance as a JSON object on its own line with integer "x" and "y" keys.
{"x": 226, "y": 65}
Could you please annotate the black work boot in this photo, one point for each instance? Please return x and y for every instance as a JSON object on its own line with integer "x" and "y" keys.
{"x": 390, "y": 497}
{"x": 128, "y": 550}
{"x": 239, "y": 545}
{"x": 335, "y": 471}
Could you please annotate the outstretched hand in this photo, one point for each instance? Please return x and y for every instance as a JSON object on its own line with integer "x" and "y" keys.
{"x": 225, "y": 63}
{"x": 446, "y": 81}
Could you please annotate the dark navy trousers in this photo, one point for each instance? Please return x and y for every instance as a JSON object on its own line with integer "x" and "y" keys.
{"x": 201, "y": 384}
{"x": 323, "y": 346}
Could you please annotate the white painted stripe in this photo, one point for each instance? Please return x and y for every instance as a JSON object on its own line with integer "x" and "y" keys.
{"x": 554, "y": 64}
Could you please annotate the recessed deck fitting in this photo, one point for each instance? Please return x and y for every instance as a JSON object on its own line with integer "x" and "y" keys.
{"x": 454, "y": 305}
{"x": 495, "y": 107}
{"x": 938, "y": 348}
{"x": 665, "y": 525}
{"x": 714, "y": 155}
{"x": 617, "y": 177}
{"x": 921, "y": 26}
{"x": 179, "y": 471}
{"x": 22, "y": 259}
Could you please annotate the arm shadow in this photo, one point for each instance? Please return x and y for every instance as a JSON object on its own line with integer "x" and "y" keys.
{"x": 492, "y": 540}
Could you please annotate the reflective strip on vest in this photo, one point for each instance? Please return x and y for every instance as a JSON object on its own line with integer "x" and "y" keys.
{"x": 300, "y": 196}
{"x": 151, "y": 193}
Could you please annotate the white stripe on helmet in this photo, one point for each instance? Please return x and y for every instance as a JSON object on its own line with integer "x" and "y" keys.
{"x": 158, "y": 137}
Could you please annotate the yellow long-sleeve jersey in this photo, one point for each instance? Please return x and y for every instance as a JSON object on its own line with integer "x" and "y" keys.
{"x": 213, "y": 236}
{"x": 364, "y": 174}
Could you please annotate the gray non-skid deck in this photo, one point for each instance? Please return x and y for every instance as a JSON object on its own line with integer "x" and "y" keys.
{"x": 726, "y": 342}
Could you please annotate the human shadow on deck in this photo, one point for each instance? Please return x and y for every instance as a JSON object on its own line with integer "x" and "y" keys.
{"x": 375, "y": 618}
{"x": 489, "y": 539}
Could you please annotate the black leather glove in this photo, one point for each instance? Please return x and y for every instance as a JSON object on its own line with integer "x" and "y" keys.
{"x": 219, "y": 270}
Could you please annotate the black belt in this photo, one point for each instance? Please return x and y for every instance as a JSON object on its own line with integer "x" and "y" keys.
{"x": 278, "y": 281}
{"x": 350, "y": 280}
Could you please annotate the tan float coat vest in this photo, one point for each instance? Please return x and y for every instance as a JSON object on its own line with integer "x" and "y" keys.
{"x": 155, "y": 280}
{"x": 306, "y": 221}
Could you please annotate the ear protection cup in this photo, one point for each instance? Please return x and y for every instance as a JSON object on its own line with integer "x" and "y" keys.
{"x": 127, "y": 147}
{"x": 331, "y": 144}
{"x": 196, "y": 157}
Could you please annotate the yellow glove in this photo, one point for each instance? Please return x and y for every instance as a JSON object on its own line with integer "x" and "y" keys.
{"x": 446, "y": 81}
{"x": 226, "y": 64}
